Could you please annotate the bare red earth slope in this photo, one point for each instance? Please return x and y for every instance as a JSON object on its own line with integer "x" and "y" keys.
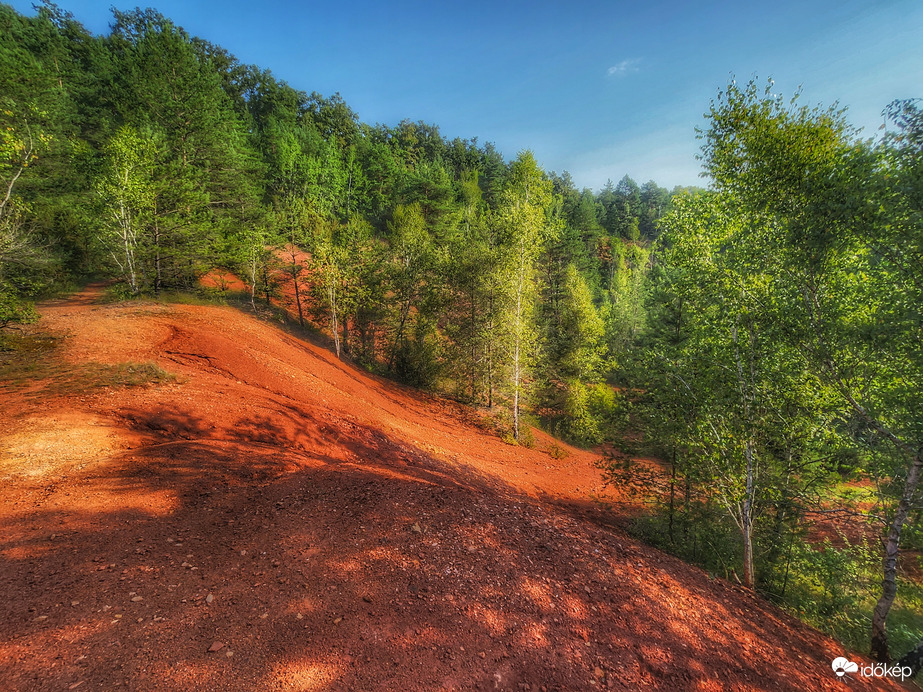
{"x": 278, "y": 520}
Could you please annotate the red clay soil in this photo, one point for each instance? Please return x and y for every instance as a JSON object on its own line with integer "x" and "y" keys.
{"x": 218, "y": 280}
{"x": 278, "y": 520}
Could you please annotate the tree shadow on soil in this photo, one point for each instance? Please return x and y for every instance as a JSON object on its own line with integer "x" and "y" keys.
{"x": 338, "y": 558}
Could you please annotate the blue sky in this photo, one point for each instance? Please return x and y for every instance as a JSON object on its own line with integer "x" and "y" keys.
{"x": 599, "y": 89}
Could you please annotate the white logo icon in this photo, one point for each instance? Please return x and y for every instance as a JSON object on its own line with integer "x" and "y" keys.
{"x": 841, "y": 666}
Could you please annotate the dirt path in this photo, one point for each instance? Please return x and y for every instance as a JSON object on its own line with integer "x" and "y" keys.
{"x": 277, "y": 520}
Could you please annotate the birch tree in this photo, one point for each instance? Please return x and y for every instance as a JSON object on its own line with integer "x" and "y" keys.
{"x": 722, "y": 367}
{"x": 126, "y": 194}
{"x": 843, "y": 241}
{"x": 524, "y": 226}
{"x": 22, "y": 139}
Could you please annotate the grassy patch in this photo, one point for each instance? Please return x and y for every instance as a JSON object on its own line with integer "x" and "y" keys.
{"x": 98, "y": 375}
{"x": 30, "y": 362}
{"x": 201, "y": 296}
{"x": 835, "y": 590}
{"x": 556, "y": 451}
{"x": 120, "y": 293}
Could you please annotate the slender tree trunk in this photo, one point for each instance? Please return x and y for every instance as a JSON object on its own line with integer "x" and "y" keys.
{"x": 672, "y": 495}
{"x": 788, "y": 564}
{"x": 253, "y": 282}
{"x": 344, "y": 324}
{"x": 747, "y": 519}
{"x": 266, "y": 287}
{"x": 474, "y": 348}
{"x": 157, "y": 274}
{"x": 516, "y": 397}
{"x": 745, "y": 522}
{"x": 879, "y": 648}
{"x": 296, "y": 272}
{"x": 879, "y": 642}
{"x": 25, "y": 158}
{"x": 516, "y": 378}
{"x": 490, "y": 351}
{"x": 399, "y": 337}
{"x": 517, "y": 339}
{"x": 334, "y": 327}
{"x": 298, "y": 298}
{"x": 128, "y": 242}
{"x": 490, "y": 375}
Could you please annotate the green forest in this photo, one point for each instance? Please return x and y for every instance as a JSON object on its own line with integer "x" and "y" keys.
{"x": 761, "y": 336}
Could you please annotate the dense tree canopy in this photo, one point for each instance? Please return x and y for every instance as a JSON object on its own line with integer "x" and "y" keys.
{"x": 153, "y": 156}
{"x": 793, "y": 297}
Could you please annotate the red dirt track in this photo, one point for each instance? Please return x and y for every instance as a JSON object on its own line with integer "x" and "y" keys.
{"x": 278, "y": 520}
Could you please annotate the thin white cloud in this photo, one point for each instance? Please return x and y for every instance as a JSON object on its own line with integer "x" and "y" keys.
{"x": 624, "y": 67}
{"x": 664, "y": 155}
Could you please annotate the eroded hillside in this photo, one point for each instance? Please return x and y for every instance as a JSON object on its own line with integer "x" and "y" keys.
{"x": 274, "y": 519}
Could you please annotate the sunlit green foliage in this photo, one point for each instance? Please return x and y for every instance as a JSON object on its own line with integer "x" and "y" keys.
{"x": 783, "y": 343}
